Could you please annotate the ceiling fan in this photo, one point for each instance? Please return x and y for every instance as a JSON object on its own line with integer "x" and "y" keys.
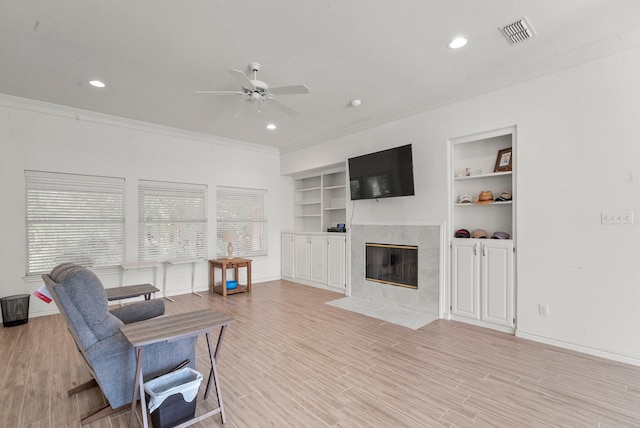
{"x": 259, "y": 92}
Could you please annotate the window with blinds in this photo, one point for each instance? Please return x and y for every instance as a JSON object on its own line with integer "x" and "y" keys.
{"x": 73, "y": 218}
{"x": 241, "y": 211}
{"x": 172, "y": 220}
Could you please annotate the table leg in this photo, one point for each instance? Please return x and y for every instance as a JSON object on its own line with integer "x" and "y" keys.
{"x": 211, "y": 276}
{"x": 164, "y": 283}
{"x": 249, "y": 277}
{"x": 213, "y": 356}
{"x": 224, "y": 280}
{"x": 193, "y": 279}
{"x": 138, "y": 383}
{"x": 219, "y": 344}
{"x": 213, "y": 373}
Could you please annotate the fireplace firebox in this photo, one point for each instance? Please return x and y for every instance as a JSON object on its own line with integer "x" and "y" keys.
{"x": 392, "y": 264}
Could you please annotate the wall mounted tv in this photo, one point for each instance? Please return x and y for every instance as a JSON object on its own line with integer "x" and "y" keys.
{"x": 384, "y": 174}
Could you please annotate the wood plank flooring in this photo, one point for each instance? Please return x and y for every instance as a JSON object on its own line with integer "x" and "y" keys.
{"x": 290, "y": 360}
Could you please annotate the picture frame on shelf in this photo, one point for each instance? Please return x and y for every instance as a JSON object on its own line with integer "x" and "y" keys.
{"x": 503, "y": 160}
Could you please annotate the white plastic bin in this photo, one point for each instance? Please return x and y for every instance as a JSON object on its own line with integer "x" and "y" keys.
{"x": 172, "y": 397}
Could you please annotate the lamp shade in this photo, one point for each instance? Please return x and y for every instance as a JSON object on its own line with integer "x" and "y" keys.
{"x": 229, "y": 236}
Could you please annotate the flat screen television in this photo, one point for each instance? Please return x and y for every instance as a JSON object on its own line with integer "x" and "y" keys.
{"x": 384, "y": 174}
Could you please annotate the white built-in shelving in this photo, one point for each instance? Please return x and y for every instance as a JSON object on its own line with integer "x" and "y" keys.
{"x": 483, "y": 285}
{"x": 320, "y": 201}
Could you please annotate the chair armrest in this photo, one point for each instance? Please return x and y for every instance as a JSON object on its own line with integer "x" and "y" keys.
{"x": 139, "y": 311}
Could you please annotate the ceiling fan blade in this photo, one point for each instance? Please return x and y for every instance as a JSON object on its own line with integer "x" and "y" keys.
{"x": 289, "y": 90}
{"x": 242, "y": 78}
{"x": 219, "y": 92}
{"x": 244, "y": 108}
{"x": 282, "y": 106}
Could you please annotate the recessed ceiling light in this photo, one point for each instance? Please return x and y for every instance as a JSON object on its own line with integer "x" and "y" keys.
{"x": 457, "y": 43}
{"x": 355, "y": 103}
{"x": 97, "y": 83}
{"x": 271, "y": 126}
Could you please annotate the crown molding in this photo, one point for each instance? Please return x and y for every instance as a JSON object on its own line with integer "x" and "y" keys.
{"x": 553, "y": 64}
{"x": 57, "y": 110}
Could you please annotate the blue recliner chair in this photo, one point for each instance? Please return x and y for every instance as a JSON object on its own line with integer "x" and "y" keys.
{"x": 82, "y": 300}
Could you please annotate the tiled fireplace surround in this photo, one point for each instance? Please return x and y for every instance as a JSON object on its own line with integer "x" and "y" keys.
{"x": 424, "y": 299}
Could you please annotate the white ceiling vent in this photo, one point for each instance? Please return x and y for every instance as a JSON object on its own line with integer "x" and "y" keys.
{"x": 519, "y": 31}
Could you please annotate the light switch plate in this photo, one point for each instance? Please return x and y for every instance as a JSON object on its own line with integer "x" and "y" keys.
{"x": 616, "y": 217}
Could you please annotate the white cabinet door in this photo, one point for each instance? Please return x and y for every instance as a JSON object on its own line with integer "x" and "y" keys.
{"x": 465, "y": 277}
{"x": 302, "y": 254}
{"x": 287, "y": 255}
{"x": 497, "y": 282}
{"x": 318, "y": 259}
{"x": 336, "y": 262}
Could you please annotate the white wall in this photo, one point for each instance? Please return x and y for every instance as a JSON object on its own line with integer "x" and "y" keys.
{"x": 578, "y": 155}
{"x": 43, "y": 137}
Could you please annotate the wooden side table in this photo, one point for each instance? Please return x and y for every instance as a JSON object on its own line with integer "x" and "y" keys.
{"x": 224, "y": 264}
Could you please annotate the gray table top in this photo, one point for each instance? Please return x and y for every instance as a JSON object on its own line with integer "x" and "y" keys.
{"x": 174, "y": 327}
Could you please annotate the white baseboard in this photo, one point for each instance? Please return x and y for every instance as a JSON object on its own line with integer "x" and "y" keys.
{"x": 314, "y": 284}
{"x": 628, "y": 359}
{"x": 478, "y": 323}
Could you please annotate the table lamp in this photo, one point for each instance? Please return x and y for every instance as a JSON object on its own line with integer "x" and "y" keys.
{"x": 230, "y": 236}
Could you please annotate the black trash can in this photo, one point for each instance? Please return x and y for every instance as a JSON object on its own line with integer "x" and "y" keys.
{"x": 173, "y": 397}
{"x": 15, "y": 310}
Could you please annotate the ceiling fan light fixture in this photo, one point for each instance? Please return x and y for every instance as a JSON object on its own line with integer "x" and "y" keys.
{"x": 258, "y": 92}
{"x": 458, "y": 42}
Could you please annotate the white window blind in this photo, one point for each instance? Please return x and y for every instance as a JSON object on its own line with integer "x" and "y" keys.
{"x": 73, "y": 218}
{"x": 172, "y": 220}
{"x": 243, "y": 212}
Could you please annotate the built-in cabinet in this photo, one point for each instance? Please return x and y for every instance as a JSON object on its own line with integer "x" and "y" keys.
{"x": 287, "y": 254}
{"x": 483, "y": 281}
{"x": 336, "y": 260}
{"x": 314, "y": 259}
{"x": 310, "y": 258}
{"x": 320, "y": 201}
{"x": 482, "y": 276}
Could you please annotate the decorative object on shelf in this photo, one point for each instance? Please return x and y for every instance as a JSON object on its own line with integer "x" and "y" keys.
{"x": 465, "y": 199}
{"x": 503, "y": 161}
{"x": 504, "y": 196}
{"x": 462, "y": 233}
{"x": 500, "y": 235}
{"x": 479, "y": 233}
{"x": 485, "y": 197}
{"x": 463, "y": 172}
{"x": 231, "y": 284}
{"x": 230, "y": 236}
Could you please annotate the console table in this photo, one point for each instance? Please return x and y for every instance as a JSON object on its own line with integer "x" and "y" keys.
{"x": 174, "y": 262}
{"x": 174, "y": 327}
{"x": 127, "y": 291}
{"x": 224, "y": 264}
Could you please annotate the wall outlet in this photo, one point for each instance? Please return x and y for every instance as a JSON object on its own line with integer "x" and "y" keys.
{"x": 543, "y": 310}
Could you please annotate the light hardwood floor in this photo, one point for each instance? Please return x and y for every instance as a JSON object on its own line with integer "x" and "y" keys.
{"x": 290, "y": 360}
